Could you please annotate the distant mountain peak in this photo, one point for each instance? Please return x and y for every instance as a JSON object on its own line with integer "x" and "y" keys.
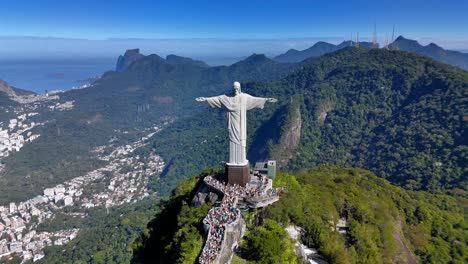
{"x": 322, "y": 43}
{"x": 407, "y": 44}
{"x": 318, "y": 49}
{"x": 433, "y": 46}
{"x": 256, "y": 56}
{"x": 254, "y": 59}
{"x": 179, "y": 60}
{"x": 401, "y": 38}
{"x": 401, "y": 43}
{"x": 130, "y": 56}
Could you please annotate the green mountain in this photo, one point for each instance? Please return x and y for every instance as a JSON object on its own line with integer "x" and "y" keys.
{"x": 118, "y": 107}
{"x": 383, "y": 223}
{"x": 130, "y": 56}
{"x": 432, "y": 50}
{"x": 397, "y": 114}
{"x": 174, "y": 59}
{"x": 320, "y": 48}
{"x": 105, "y": 237}
{"x": 400, "y": 115}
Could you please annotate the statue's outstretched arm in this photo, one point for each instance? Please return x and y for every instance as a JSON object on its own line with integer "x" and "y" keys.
{"x": 215, "y": 101}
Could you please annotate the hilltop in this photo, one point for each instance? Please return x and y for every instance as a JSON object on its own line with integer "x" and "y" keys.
{"x": 318, "y": 49}
{"x": 432, "y": 50}
{"x": 353, "y": 107}
{"x": 397, "y": 114}
{"x": 378, "y": 223}
{"x": 119, "y": 107}
{"x": 134, "y": 135}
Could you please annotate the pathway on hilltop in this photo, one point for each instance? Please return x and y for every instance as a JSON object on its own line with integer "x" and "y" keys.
{"x": 227, "y": 214}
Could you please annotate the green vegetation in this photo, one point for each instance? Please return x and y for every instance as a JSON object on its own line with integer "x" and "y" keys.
{"x": 104, "y": 237}
{"x": 269, "y": 244}
{"x": 176, "y": 234}
{"x": 397, "y": 114}
{"x": 400, "y": 115}
{"x": 384, "y": 223}
{"x": 143, "y": 96}
{"x": 61, "y": 221}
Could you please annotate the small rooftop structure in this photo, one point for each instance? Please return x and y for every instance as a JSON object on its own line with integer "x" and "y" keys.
{"x": 267, "y": 168}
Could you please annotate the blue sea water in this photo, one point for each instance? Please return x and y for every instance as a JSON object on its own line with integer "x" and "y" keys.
{"x": 57, "y": 74}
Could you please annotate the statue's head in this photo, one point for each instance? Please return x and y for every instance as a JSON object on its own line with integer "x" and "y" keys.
{"x": 237, "y": 88}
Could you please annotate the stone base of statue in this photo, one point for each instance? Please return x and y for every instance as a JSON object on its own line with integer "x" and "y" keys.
{"x": 237, "y": 174}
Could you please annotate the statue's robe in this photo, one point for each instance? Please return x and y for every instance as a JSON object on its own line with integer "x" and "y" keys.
{"x": 237, "y": 107}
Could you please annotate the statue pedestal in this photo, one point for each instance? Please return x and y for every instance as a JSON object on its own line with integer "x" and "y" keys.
{"x": 238, "y": 174}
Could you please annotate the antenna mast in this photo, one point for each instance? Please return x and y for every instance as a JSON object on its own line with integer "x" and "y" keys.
{"x": 386, "y": 41}
{"x": 375, "y": 44}
{"x": 393, "y": 38}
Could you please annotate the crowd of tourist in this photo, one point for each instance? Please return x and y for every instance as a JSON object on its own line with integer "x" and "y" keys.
{"x": 227, "y": 213}
{"x": 258, "y": 189}
{"x": 217, "y": 184}
{"x": 218, "y": 218}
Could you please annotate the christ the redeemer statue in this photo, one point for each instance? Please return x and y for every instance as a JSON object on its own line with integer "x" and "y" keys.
{"x": 237, "y": 107}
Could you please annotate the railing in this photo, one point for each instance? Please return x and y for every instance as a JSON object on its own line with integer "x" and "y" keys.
{"x": 259, "y": 196}
{"x": 206, "y": 256}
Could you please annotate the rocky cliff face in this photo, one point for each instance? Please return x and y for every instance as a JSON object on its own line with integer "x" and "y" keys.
{"x": 234, "y": 234}
{"x": 290, "y": 136}
{"x": 279, "y": 136}
{"x": 204, "y": 195}
{"x": 130, "y": 56}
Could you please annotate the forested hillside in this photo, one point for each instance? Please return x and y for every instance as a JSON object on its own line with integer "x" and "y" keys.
{"x": 105, "y": 237}
{"x": 384, "y": 223}
{"x": 432, "y": 50}
{"x": 119, "y": 107}
{"x": 400, "y": 115}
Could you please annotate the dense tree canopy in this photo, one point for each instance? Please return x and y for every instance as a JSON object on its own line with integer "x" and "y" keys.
{"x": 397, "y": 114}
{"x": 384, "y": 223}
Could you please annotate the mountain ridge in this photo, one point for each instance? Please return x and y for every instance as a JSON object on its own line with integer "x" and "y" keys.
{"x": 345, "y": 99}
{"x": 357, "y": 216}
{"x": 318, "y": 49}
{"x": 130, "y": 56}
{"x": 150, "y": 92}
{"x": 432, "y": 50}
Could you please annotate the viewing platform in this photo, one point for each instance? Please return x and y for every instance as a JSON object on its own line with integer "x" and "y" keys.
{"x": 224, "y": 224}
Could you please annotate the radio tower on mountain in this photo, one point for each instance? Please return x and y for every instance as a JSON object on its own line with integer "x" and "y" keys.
{"x": 375, "y": 44}
{"x": 392, "y": 44}
{"x": 386, "y": 41}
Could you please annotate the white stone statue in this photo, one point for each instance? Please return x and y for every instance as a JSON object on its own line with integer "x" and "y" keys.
{"x": 237, "y": 107}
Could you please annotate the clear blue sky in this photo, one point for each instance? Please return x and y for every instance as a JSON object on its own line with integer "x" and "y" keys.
{"x": 442, "y": 21}
{"x": 228, "y": 19}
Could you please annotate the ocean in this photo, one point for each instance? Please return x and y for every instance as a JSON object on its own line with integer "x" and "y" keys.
{"x": 57, "y": 74}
